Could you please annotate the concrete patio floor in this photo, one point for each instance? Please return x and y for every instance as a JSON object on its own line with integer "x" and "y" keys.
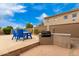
{"x": 7, "y": 44}
{"x": 47, "y": 50}
{"x": 51, "y": 50}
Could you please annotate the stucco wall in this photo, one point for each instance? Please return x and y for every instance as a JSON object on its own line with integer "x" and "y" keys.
{"x": 72, "y": 29}
{"x": 40, "y": 28}
{"x": 62, "y": 40}
{"x": 75, "y": 42}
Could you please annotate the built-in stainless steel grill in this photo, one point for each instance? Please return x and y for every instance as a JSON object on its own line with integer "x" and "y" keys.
{"x": 46, "y": 34}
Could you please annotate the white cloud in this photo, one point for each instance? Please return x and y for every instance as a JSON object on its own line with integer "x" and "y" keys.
{"x": 42, "y": 16}
{"x": 10, "y": 9}
{"x": 7, "y": 10}
{"x": 38, "y": 6}
{"x": 5, "y": 23}
{"x": 58, "y": 9}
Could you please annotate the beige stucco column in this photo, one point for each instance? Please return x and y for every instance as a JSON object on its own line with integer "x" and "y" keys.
{"x": 34, "y": 28}
{"x": 48, "y": 25}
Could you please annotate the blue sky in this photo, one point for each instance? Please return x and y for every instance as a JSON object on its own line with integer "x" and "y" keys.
{"x": 18, "y": 14}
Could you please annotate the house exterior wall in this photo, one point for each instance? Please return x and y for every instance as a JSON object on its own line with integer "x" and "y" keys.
{"x": 60, "y": 19}
{"x": 58, "y": 24}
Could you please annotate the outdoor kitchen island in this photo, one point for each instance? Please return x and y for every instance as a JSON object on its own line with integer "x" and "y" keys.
{"x": 60, "y": 39}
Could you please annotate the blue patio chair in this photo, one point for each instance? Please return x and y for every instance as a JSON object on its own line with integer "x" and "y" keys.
{"x": 17, "y": 34}
{"x": 14, "y": 34}
{"x": 28, "y": 34}
{"x": 20, "y": 34}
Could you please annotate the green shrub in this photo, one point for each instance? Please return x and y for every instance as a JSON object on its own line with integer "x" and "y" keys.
{"x": 10, "y": 27}
{"x": 36, "y": 31}
{"x": 7, "y": 30}
{"x": 29, "y": 25}
{"x": 0, "y": 27}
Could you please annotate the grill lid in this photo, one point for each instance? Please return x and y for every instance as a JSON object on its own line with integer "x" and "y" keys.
{"x": 45, "y": 33}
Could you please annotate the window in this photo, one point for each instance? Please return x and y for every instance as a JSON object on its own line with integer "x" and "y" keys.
{"x": 65, "y": 17}
{"x": 74, "y": 15}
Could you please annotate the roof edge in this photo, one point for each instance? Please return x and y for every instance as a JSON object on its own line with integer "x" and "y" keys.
{"x": 62, "y": 13}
